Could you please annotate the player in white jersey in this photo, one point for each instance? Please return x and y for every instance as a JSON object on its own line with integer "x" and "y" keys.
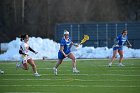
{"x": 25, "y": 58}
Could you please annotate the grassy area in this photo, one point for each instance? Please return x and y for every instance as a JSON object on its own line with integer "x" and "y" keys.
{"x": 94, "y": 77}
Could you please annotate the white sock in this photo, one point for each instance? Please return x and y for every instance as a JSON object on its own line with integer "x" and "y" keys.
{"x": 54, "y": 68}
{"x": 36, "y": 72}
{"x": 74, "y": 68}
{"x": 110, "y": 62}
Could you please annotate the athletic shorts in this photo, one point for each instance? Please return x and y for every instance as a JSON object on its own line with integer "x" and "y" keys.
{"x": 118, "y": 48}
{"x": 24, "y": 58}
{"x": 61, "y": 56}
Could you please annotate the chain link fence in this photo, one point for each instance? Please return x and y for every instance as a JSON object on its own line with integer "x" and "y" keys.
{"x": 101, "y": 34}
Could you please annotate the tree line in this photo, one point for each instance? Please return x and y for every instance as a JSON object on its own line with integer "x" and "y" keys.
{"x": 38, "y": 17}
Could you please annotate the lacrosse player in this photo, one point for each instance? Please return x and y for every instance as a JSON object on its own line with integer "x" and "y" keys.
{"x": 118, "y": 47}
{"x": 25, "y": 58}
{"x": 64, "y": 52}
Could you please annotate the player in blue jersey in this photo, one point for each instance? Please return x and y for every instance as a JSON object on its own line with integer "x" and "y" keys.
{"x": 118, "y": 47}
{"x": 64, "y": 52}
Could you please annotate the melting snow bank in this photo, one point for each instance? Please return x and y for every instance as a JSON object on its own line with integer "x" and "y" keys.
{"x": 104, "y": 52}
{"x": 49, "y": 49}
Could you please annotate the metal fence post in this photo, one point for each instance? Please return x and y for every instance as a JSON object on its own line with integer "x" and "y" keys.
{"x": 71, "y": 31}
{"x": 106, "y": 35}
{"x": 78, "y": 33}
{"x": 125, "y": 26}
{"x": 0, "y": 48}
{"x": 116, "y": 29}
{"x": 97, "y": 36}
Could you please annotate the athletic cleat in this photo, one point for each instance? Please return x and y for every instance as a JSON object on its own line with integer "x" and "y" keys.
{"x": 1, "y": 72}
{"x": 37, "y": 75}
{"x": 110, "y": 64}
{"x": 55, "y": 71}
{"x": 121, "y": 65}
{"x": 75, "y": 71}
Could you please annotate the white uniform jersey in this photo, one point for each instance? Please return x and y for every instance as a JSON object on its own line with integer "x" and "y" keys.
{"x": 25, "y": 48}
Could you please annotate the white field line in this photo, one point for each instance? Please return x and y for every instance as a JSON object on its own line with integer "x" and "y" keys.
{"x": 116, "y": 70}
{"x": 28, "y": 92}
{"x": 46, "y": 74}
{"x": 125, "y": 67}
{"x": 138, "y": 75}
{"x": 95, "y": 66}
{"x": 69, "y": 80}
{"x": 124, "y": 86}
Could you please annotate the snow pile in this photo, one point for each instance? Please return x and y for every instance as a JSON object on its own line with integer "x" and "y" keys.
{"x": 44, "y": 47}
{"x": 49, "y": 49}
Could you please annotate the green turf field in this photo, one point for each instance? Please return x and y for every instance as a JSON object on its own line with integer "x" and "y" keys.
{"x": 94, "y": 77}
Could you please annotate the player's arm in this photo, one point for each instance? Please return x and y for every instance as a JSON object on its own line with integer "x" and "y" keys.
{"x": 20, "y": 52}
{"x": 76, "y": 44}
{"x": 61, "y": 49}
{"x": 116, "y": 43}
{"x": 62, "y": 43}
{"x": 32, "y": 50}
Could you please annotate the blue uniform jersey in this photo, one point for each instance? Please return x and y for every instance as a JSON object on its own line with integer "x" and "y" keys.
{"x": 66, "y": 45}
{"x": 120, "y": 41}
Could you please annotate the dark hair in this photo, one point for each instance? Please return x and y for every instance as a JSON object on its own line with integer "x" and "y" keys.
{"x": 22, "y": 37}
{"x": 124, "y": 31}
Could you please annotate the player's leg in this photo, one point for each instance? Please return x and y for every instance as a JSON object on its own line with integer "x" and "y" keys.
{"x": 121, "y": 57}
{"x": 60, "y": 60}
{"x": 72, "y": 57}
{"x": 57, "y": 65}
{"x": 32, "y": 63}
{"x": 113, "y": 57}
{"x": 20, "y": 63}
{"x": 25, "y": 66}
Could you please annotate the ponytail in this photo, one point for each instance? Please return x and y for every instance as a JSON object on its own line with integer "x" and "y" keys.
{"x": 123, "y": 31}
{"x": 22, "y": 37}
